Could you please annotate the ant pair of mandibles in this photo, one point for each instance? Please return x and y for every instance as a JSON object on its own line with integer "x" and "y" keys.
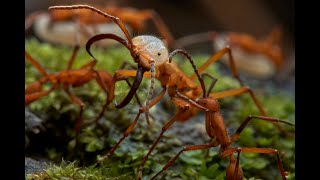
{"x": 151, "y": 54}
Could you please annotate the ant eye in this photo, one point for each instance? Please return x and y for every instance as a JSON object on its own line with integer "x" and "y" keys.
{"x": 159, "y": 54}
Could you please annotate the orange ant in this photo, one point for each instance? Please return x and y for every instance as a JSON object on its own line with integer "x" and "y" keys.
{"x": 90, "y": 23}
{"x": 260, "y": 58}
{"x": 150, "y": 53}
{"x": 217, "y": 131}
{"x": 70, "y": 78}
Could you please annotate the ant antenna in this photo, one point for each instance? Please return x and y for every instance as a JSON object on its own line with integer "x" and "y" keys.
{"x": 193, "y": 65}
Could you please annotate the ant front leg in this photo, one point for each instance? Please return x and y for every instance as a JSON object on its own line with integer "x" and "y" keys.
{"x": 132, "y": 125}
{"x": 126, "y": 133}
{"x": 183, "y": 106}
{"x": 164, "y": 128}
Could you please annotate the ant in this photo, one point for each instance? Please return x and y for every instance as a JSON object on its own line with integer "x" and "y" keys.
{"x": 68, "y": 79}
{"x": 217, "y": 131}
{"x": 151, "y": 54}
{"x": 46, "y": 25}
{"x": 260, "y": 58}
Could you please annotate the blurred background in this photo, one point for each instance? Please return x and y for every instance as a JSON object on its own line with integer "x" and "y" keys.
{"x": 185, "y": 17}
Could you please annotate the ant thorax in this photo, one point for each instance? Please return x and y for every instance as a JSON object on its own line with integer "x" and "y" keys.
{"x": 152, "y": 47}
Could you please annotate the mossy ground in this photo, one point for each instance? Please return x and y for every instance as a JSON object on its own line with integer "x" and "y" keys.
{"x": 95, "y": 139}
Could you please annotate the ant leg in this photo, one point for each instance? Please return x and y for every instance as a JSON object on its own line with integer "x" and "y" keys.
{"x": 126, "y": 133}
{"x": 78, "y": 124}
{"x": 239, "y": 91}
{"x": 107, "y": 84}
{"x": 234, "y": 171}
{"x": 186, "y": 148}
{"x": 237, "y": 134}
{"x": 30, "y": 97}
{"x": 77, "y": 45}
{"x": 130, "y": 73}
{"x": 164, "y": 128}
{"x": 251, "y": 117}
{"x": 183, "y": 107}
{"x": 215, "y": 57}
{"x": 35, "y": 64}
{"x": 131, "y": 126}
{"x": 73, "y": 56}
{"x": 36, "y": 86}
{"x": 255, "y": 150}
{"x": 89, "y": 65}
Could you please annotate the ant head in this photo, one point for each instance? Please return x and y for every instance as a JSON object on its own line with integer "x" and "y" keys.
{"x": 209, "y": 103}
{"x": 150, "y": 48}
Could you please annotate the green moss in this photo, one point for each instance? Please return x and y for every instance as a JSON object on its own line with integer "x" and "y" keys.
{"x": 70, "y": 170}
{"x": 96, "y": 139}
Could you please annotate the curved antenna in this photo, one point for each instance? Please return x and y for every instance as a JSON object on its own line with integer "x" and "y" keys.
{"x": 193, "y": 65}
{"x": 114, "y": 18}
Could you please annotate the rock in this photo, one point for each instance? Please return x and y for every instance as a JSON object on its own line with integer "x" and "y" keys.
{"x": 33, "y": 166}
{"x": 33, "y": 125}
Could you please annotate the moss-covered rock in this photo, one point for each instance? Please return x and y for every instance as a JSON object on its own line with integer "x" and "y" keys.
{"x": 59, "y": 113}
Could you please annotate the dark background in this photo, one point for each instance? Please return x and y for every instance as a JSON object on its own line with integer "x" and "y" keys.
{"x": 185, "y": 17}
{"x": 192, "y": 16}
